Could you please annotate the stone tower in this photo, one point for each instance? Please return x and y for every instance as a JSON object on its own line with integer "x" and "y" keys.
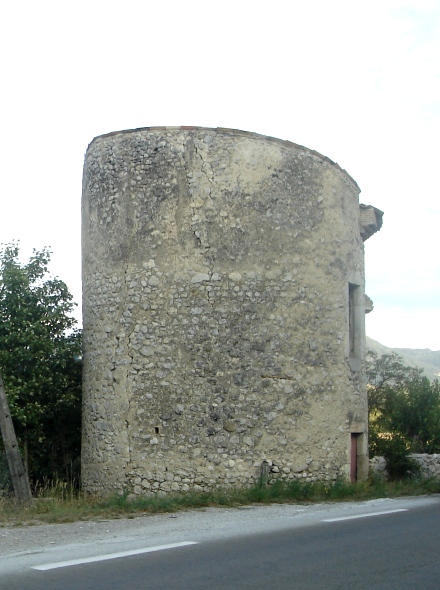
{"x": 223, "y": 277}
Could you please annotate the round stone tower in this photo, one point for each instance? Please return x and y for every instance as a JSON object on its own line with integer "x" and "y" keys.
{"x": 223, "y": 277}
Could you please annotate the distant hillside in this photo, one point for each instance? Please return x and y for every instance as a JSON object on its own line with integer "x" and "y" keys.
{"x": 422, "y": 358}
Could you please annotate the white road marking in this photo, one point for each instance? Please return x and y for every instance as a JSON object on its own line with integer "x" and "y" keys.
{"x": 365, "y": 515}
{"x": 52, "y": 566}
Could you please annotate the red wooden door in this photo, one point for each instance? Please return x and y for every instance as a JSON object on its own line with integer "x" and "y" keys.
{"x": 353, "y": 457}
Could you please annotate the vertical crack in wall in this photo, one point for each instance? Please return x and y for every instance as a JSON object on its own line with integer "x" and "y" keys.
{"x": 206, "y": 198}
{"x": 125, "y": 301}
{"x": 205, "y": 191}
{"x": 208, "y": 172}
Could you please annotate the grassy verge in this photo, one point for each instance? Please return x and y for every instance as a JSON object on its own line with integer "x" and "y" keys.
{"x": 58, "y": 503}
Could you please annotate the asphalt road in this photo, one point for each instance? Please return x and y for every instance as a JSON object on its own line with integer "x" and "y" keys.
{"x": 392, "y": 544}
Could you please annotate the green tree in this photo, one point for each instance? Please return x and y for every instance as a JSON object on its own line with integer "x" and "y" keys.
{"x": 386, "y": 374}
{"x": 414, "y": 412}
{"x": 404, "y": 411}
{"x": 40, "y": 360}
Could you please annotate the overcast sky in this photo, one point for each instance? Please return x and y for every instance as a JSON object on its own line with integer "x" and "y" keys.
{"x": 356, "y": 81}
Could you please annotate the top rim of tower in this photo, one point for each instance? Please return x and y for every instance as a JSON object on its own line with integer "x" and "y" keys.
{"x": 228, "y": 131}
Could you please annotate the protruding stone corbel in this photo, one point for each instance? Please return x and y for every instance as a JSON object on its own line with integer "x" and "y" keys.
{"x": 370, "y": 220}
{"x": 368, "y": 304}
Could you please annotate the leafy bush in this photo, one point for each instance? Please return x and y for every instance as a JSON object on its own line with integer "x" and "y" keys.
{"x": 399, "y": 463}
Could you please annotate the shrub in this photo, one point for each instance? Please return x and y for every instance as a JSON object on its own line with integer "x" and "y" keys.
{"x": 399, "y": 463}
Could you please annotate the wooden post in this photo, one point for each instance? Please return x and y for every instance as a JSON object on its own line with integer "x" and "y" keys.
{"x": 18, "y": 473}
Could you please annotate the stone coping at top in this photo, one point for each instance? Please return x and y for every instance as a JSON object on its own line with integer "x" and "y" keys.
{"x": 229, "y": 131}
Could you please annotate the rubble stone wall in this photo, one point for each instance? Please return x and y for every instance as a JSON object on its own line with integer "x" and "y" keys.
{"x": 216, "y": 272}
{"x": 429, "y": 465}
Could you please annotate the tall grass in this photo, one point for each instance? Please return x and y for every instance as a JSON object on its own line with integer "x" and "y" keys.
{"x": 59, "y": 502}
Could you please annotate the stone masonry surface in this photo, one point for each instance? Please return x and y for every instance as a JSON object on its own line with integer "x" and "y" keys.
{"x": 429, "y": 465}
{"x": 218, "y": 337}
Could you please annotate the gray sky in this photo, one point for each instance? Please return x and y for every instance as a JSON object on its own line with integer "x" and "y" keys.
{"x": 356, "y": 81}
